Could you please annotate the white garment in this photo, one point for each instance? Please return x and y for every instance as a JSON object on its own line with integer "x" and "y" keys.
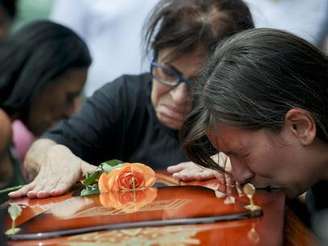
{"x": 112, "y": 30}
{"x": 304, "y": 18}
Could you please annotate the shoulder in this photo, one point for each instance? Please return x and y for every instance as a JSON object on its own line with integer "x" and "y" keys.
{"x": 5, "y": 130}
{"x": 128, "y": 82}
{"x": 126, "y": 87}
{"x": 124, "y": 95}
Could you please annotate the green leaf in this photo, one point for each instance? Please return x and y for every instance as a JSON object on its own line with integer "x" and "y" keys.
{"x": 110, "y": 164}
{"x": 107, "y": 166}
{"x": 90, "y": 181}
{"x": 114, "y": 162}
{"x": 12, "y": 231}
{"x": 14, "y": 211}
{"x": 90, "y": 190}
{"x": 92, "y": 178}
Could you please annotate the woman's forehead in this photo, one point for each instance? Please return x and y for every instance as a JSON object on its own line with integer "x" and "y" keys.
{"x": 227, "y": 137}
{"x": 169, "y": 55}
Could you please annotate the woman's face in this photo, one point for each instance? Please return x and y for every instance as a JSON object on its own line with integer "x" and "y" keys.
{"x": 267, "y": 159}
{"x": 58, "y": 100}
{"x": 172, "y": 104}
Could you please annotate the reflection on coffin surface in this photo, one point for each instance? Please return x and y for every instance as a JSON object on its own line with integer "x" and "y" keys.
{"x": 183, "y": 215}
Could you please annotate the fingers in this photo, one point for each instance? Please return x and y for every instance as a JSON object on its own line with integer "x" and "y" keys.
{"x": 185, "y": 176}
{"x": 61, "y": 187}
{"x": 188, "y": 175}
{"x": 188, "y": 171}
{"x": 184, "y": 166}
{"x": 43, "y": 188}
{"x": 176, "y": 168}
{"x": 41, "y": 182}
{"x": 87, "y": 167}
{"x": 30, "y": 190}
{"x": 208, "y": 174}
{"x": 22, "y": 191}
{"x": 46, "y": 184}
{"x": 229, "y": 183}
{"x": 47, "y": 188}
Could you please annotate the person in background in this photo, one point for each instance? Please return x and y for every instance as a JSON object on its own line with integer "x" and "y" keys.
{"x": 262, "y": 100}
{"x": 323, "y": 37}
{"x": 304, "y": 18}
{"x": 136, "y": 118}
{"x": 7, "y": 14}
{"x": 43, "y": 68}
{"x": 112, "y": 31}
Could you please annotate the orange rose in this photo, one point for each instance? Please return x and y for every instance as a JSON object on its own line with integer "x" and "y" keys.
{"x": 129, "y": 176}
{"x": 129, "y": 201}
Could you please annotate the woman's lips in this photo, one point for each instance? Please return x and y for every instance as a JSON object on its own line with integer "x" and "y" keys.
{"x": 176, "y": 110}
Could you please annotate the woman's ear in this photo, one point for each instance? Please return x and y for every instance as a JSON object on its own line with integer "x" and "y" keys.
{"x": 301, "y": 124}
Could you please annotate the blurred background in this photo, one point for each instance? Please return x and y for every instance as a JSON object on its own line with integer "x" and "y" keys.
{"x": 29, "y": 10}
{"x": 112, "y": 31}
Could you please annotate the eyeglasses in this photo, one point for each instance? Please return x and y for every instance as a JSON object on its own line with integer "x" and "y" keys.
{"x": 168, "y": 75}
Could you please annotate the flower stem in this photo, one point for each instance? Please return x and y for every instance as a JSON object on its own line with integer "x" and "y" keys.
{"x": 11, "y": 189}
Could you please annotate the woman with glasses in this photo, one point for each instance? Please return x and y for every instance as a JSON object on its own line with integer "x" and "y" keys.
{"x": 136, "y": 118}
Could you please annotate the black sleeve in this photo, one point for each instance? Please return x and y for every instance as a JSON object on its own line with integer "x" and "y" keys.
{"x": 94, "y": 133}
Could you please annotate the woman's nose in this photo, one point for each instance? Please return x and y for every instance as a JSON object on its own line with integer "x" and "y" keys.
{"x": 180, "y": 93}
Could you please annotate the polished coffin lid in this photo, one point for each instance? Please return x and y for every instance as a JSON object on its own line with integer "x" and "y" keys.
{"x": 195, "y": 208}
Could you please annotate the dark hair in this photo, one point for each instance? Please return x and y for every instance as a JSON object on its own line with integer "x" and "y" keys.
{"x": 186, "y": 24}
{"x": 251, "y": 81}
{"x": 9, "y": 7}
{"x": 33, "y": 57}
